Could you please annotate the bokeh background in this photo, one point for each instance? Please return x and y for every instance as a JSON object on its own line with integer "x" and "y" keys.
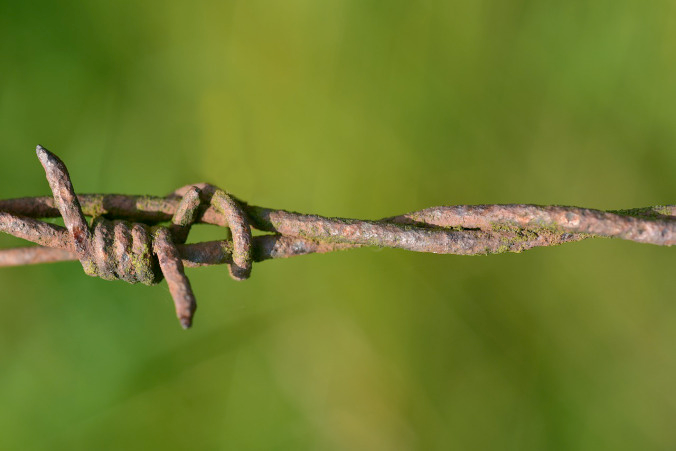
{"x": 353, "y": 108}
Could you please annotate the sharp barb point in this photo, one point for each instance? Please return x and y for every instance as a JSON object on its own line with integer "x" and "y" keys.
{"x": 46, "y": 157}
{"x": 41, "y": 152}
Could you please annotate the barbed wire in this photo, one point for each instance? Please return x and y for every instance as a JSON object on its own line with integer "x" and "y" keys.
{"x": 127, "y": 238}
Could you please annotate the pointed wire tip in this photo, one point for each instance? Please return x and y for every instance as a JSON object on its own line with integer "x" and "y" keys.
{"x": 186, "y": 323}
{"x": 40, "y": 151}
{"x": 44, "y": 155}
{"x": 50, "y": 161}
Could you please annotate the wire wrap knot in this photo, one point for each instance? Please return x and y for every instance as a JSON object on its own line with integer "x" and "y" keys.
{"x": 138, "y": 253}
{"x": 123, "y": 250}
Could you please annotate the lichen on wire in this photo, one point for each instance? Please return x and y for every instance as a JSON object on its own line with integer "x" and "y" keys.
{"x": 127, "y": 238}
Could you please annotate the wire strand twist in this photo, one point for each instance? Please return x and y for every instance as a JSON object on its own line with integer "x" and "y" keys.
{"x": 127, "y": 241}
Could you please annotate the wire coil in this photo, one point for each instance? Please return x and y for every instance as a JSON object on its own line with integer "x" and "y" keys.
{"x": 137, "y": 253}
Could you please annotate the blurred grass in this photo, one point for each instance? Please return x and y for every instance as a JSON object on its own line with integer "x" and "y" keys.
{"x": 358, "y": 109}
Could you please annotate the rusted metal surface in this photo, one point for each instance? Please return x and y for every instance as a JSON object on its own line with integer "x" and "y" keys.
{"x": 242, "y": 260}
{"x": 208, "y": 253}
{"x": 172, "y": 268}
{"x": 33, "y": 255}
{"x": 32, "y": 230}
{"x": 661, "y": 232}
{"x": 652, "y": 225}
{"x": 185, "y": 215}
{"x": 68, "y": 205}
{"x": 127, "y": 241}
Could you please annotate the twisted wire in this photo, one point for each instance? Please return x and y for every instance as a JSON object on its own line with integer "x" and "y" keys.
{"x": 126, "y": 240}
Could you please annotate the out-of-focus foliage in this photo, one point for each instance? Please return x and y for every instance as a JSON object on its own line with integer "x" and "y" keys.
{"x": 361, "y": 109}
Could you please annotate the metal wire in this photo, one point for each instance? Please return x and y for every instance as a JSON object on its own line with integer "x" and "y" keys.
{"x": 127, "y": 240}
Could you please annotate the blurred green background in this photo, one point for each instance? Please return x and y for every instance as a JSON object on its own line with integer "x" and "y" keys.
{"x": 358, "y": 109}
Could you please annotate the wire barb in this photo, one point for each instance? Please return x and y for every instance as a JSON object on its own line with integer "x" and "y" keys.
{"x": 179, "y": 285}
{"x": 127, "y": 241}
{"x": 68, "y": 204}
{"x": 135, "y": 252}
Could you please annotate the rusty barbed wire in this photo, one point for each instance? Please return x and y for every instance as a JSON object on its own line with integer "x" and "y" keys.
{"x": 128, "y": 241}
